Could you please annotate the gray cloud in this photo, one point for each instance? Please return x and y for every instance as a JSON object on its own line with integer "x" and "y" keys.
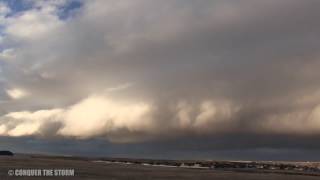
{"x": 200, "y": 69}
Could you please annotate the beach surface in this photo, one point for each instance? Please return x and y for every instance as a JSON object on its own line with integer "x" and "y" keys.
{"x": 59, "y": 167}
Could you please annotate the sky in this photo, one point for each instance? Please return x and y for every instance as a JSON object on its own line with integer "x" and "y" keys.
{"x": 178, "y": 79}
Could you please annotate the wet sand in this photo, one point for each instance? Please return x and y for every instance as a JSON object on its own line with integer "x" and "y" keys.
{"x": 85, "y": 168}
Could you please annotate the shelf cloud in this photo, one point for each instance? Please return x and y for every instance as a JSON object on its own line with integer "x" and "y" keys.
{"x": 144, "y": 71}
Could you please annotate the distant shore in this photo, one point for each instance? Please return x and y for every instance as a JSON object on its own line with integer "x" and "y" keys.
{"x": 128, "y": 168}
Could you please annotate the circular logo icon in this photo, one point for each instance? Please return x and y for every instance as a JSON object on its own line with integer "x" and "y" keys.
{"x": 11, "y": 172}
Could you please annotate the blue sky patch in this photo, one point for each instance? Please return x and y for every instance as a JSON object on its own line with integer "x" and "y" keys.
{"x": 17, "y": 6}
{"x": 67, "y": 10}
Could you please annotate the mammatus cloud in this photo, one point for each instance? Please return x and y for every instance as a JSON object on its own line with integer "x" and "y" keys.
{"x": 105, "y": 116}
{"x": 145, "y": 70}
{"x": 113, "y": 119}
{"x": 100, "y": 116}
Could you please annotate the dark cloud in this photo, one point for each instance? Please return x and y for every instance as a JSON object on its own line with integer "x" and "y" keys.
{"x": 242, "y": 75}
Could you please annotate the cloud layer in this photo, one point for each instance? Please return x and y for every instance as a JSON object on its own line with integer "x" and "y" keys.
{"x": 149, "y": 70}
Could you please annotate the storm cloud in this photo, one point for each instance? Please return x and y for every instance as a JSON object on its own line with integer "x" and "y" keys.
{"x": 148, "y": 71}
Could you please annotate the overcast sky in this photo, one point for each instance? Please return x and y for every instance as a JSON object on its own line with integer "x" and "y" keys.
{"x": 227, "y": 79}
